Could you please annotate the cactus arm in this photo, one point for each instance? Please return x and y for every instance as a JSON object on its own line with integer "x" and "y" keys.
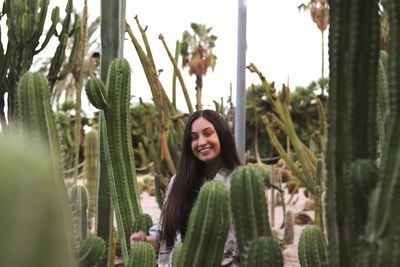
{"x": 74, "y": 51}
{"x": 55, "y": 18}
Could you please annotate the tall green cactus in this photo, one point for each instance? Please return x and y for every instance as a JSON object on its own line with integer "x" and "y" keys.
{"x": 142, "y": 254}
{"x": 79, "y": 205}
{"x": 312, "y": 248}
{"x": 353, "y": 58}
{"x": 249, "y": 207}
{"x": 35, "y": 117}
{"x": 91, "y": 169}
{"x": 208, "y": 227}
{"x": 264, "y": 251}
{"x": 91, "y": 251}
{"x": 114, "y": 101}
{"x": 36, "y": 230}
{"x": 382, "y": 235}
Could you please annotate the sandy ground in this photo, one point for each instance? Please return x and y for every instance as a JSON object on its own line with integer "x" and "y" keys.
{"x": 150, "y": 206}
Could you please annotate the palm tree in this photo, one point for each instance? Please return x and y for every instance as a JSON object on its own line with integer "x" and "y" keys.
{"x": 319, "y": 11}
{"x": 196, "y": 52}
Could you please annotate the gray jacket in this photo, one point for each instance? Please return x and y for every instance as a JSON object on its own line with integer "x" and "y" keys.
{"x": 230, "y": 257}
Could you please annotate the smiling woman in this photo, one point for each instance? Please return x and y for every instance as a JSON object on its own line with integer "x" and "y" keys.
{"x": 208, "y": 153}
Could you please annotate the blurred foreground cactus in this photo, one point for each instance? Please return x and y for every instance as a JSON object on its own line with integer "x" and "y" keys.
{"x": 37, "y": 229}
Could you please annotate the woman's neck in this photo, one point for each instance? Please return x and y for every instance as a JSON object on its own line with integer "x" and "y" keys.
{"x": 212, "y": 167}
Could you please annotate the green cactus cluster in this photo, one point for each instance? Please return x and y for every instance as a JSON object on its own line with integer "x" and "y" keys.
{"x": 142, "y": 254}
{"x": 208, "y": 227}
{"x": 25, "y": 23}
{"x": 312, "y": 248}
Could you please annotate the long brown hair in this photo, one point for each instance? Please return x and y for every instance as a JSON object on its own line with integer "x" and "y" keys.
{"x": 190, "y": 171}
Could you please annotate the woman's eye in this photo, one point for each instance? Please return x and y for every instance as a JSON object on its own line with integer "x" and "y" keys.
{"x": 208, "y": 134}
{"x": 195, "y": 137}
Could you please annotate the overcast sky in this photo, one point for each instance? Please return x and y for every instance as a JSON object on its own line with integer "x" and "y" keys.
{"x": 282, "y": 42}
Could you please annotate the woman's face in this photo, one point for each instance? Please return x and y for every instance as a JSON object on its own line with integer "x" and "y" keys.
{"x": 205, "y": 142}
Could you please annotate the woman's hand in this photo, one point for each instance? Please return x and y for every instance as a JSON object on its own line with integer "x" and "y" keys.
{"x": 142, "y": 237}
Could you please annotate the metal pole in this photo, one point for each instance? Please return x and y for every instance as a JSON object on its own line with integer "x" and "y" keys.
{"x": 240, "y": 111}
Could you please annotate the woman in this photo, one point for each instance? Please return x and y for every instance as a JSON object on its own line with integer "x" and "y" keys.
{"x": 208, "y": 153}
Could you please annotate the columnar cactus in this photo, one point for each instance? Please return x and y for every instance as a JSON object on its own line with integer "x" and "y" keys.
{"x": 36, "y": 230}
{"x": 249, "y": 206}
{"x": 36, "y": 116}
{"x": 382, "y": 233}
{"x": 353, "y": 58}
{"x": 208, "y": 227}
{"x": 263, "y": 251}
{"x": 143, "y": 222}
{"x": 312, "y": 248}
{"x": 113, "y": 99}
{"x": 91, "y": 169}
{"x": 79, "y": 205}
{"x": 142, "y": 254}
{"x": 91, "y": 251}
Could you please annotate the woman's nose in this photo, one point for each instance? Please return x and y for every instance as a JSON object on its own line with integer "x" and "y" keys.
{"x": 202, "y": 140}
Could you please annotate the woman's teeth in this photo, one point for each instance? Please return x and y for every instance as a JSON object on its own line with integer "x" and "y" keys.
{"x": 204, "y": 150}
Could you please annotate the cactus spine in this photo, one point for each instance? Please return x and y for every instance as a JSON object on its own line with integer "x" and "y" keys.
{"x": 250, "y": 214}
{"x": 353, "y": 58}
{"x": 79, "y": 205}
{"x": 91, "y": 169}
{"x": 264, "y": 251}
{"x": 208, "y": 227}
{"x": 142, "y": 254}
{"x": 312, "y": 248}
{"x": 91, "y": 251}
{"x": 36, "y": 230}
{"x": 124, "y": 188}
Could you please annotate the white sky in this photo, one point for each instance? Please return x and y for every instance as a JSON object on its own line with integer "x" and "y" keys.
{"x": 282, "y": 42}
